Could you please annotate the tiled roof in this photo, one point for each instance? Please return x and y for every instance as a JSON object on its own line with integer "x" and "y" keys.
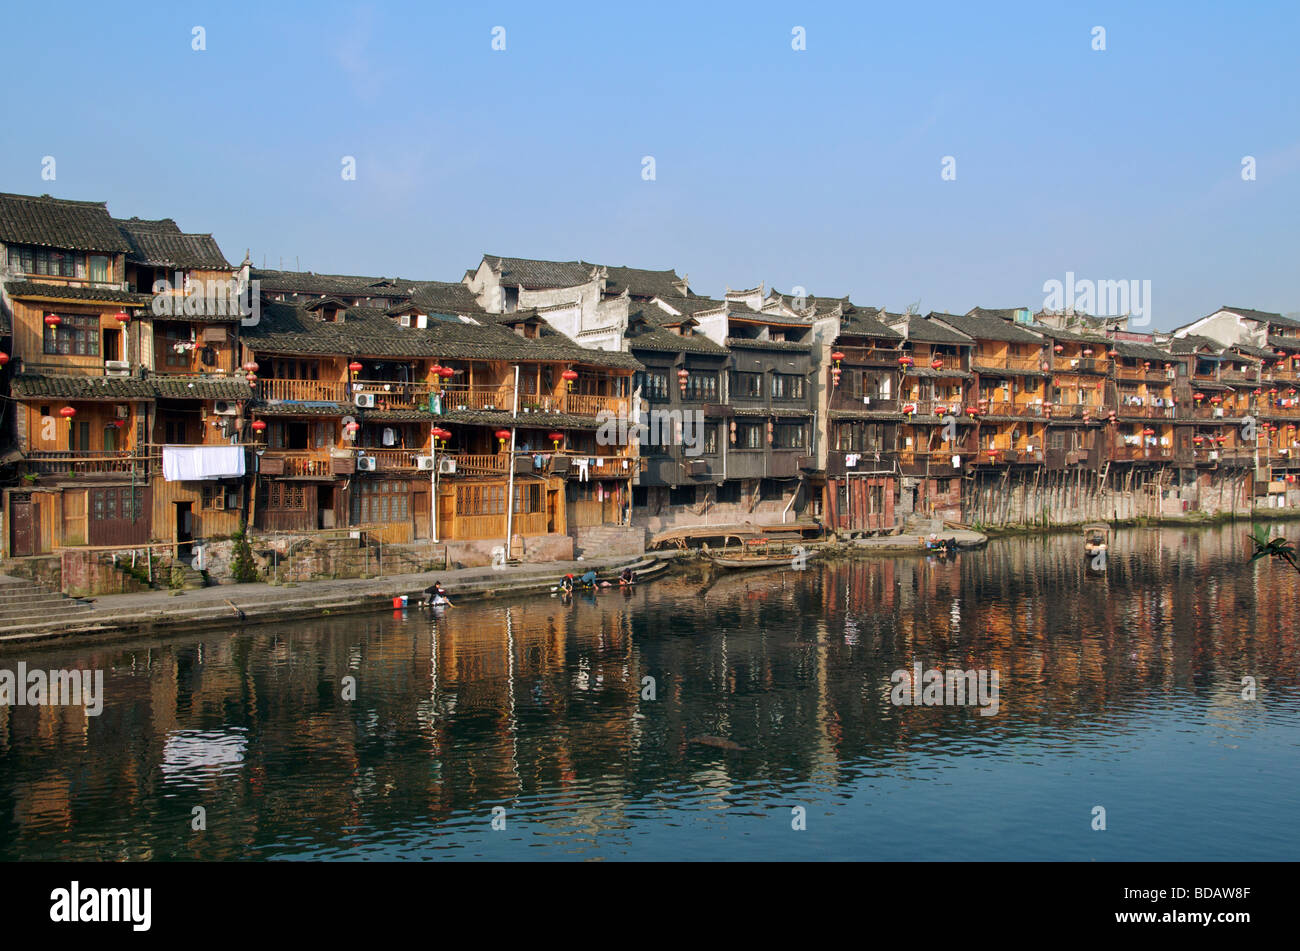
{"x": 1192, "y": 343}
{"x": 129, "y": 388}
{"x": 349, "y": 285}
{"x": 981, "y": 327}
{"x": 162, "y": 244}
{"x": 1000, "y": 313}
{"x": 1286, "y": 343}
{"x": 533, "y": 274}
{"x": 445, "y": 297}
{"x": 357, "y": 331}
{"x": 925, "y": 330}
{"x": 39, "y": 289}
{"x": 641, "y": 283}
{"x": 745, "y": 343}
{"x": 690, "y": 306}
{"x": 866, "y": 322}
{"x": 1253, "y": 351}
{"x": 57, "y": 223}
{"x": 1139, "y": 351}
{"x": 1263, "y": 316}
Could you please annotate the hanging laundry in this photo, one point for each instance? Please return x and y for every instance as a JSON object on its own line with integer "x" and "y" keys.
{"x": 390, "y": 437}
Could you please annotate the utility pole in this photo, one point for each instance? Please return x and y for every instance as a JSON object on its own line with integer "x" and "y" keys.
{"x": 510, "y": 461}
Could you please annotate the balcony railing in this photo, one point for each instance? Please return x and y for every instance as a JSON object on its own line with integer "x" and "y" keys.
{"x": 302, "y": 391}
{"x": 390, "y": 395}
{"x": 1006, "y": 408}
{"x": 879, "y": 356}
{"x": 1129, "y": 453}
{"x": 462, "y": 398}
{"x": 582, "y": 404}
{"x": 89, "y": 463}
{"x": 1007, "y": 362}
{"x": 471, "y": 464}
{"x": 388, "y": 460}
{"x": 297, "y": 462}
{"x": 471, "y": 527}
{"x": 1145, "y": 412}
{"x": 1080, "y": 365}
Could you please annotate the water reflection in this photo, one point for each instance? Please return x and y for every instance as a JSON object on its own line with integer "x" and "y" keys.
{"x": 1122, "y": 688}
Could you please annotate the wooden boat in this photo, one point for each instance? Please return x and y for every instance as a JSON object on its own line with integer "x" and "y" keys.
{"x": 1096, "y": 539}
{"x": 761, "y": 558}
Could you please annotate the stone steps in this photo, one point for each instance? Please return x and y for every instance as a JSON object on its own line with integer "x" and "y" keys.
{"x": 26, "y": 604}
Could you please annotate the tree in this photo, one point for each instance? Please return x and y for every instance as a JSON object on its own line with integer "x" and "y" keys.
{"x": 242, "y": 566}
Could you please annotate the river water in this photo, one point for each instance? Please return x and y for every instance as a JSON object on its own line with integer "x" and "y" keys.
{"x": 767, "y": 729}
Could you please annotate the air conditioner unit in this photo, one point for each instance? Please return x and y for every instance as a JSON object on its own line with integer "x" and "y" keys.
{"x": 1218, "y": 412}
{"x": 226, "y": 408}
{"x": 446, "y": 466}
{"x": 424, "y": 462}
{"x": 1214, "y": 455}
{"x": 406, "y": 320}
{"x": 365, "y": 400}
{"x": 123, "y": 411}
{"x": 366, "y": 464}
{"x": 117, "y": 368}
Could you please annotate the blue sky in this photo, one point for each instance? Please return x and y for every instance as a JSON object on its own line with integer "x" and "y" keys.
{"x": 818, "y": 168}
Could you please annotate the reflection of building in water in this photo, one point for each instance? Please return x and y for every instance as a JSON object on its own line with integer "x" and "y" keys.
{"x": 512, "y": 702}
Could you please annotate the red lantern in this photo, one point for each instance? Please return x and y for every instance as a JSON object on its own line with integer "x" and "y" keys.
{"x": 250, "y": 367}
{"x": 53, "y": 320}
{"x": 569, "y": 376}
{"x": 68, "y": 412}
{"x": 556, "y": 439}
{"x": 502, "y": 435}
{"x": 936, "y": 364}
{"x": 837, "y": 356}
{"x": 4, "y": 358}
{"x": 259, "y": 425}
{"x": 123, "y": 317}
{"x": 1198, "y": 396}
{"x": 682, "y": 377}
{"x": 446, "y": 373}
{"x": 1087, "y": 352}
{"x": 1059, "y": 348}
{"x": 1198, "y": 439}
{"x": 351, "y": 429}
{"x": 355, "y": 366}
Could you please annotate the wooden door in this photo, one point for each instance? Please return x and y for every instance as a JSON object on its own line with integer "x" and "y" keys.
{"x": 20, "y": 517}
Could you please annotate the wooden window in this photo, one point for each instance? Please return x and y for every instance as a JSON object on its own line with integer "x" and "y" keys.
{"x": 77, "y": 335}
{"x": 99, "y": 268}
{"x": 787, "y": 386}
{"x": 788, "y": 436}
{"x": 286, "y": 496}
{"x": 654, "y": 386}
{"x": 702, "y": 387}
{"x": 747, "y": 385}
{"x": 481, "y": 499}
{"x": 749, "y": 435}
{"x": 710, "y": 439}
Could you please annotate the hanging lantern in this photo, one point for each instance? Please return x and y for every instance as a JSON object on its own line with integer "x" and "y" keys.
{"x": 556, "y": 439}
{"x": 53, "y": 320}
{"x": 1087, "y": 351}
{"x": 1198, "y": 396}
{"x": 68, "y": 412}
{"x": 1059, "y": 348}
{"x": 502, "y": 435}
{"x": 259, "y": 425}
{"x": 446, "y": 373}
{"x": 1216, "y": 399}
{"x": 682, "y": 377}
{"x": 936, "y": 364}
{"x": 1198, "y": 439}
{"x": 4, "y": 358}
{"x": 355, "y": 367}
{"x": 252, "y": 378}
{"x": 123, "y": 317}
{"x": 972, "y": 411}
{"x": 837, "y": 356}
{"x": 905, "y": 361}
{"x": 835, "y": 376}
{"x": 351, "y": 429}
{"x": 909, "y": 408}
{"x": 733, "y": 432}
{"x": 770, "y": 429}
{"x": 250, "y": 367}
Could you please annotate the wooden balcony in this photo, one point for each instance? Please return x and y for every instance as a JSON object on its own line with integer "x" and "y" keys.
{"x": 841, "y": 400}
{"x": 1080, "y": 365}
{"x": 1142, "y": 453}
{"x": 395, "y": 460}
{"x": 582, "y": 404}
{"x": 472, "y": 527}
{"x": 990, "y": 361}
{"x": 465, "y": 398}
{"x": 1145, "y": 412}
{"x": 1005, "y": 408}
{"x": 1153, "y": 375}
{"x": 90, "y": 463}
{"x": 469, "y": 464}
{"x": 405, "y": 396}
{"x": 876, "y": 356}
{"x": 297, "y": 463}
{"x": 302, "y": 391}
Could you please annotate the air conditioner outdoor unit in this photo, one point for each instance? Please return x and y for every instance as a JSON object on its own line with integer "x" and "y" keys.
{"x": 117, "y": 368}
{"x": 366, "y": 464}
{"x": 1214, "y": 455}
{"x": 406, "y": 320}
{"x": 226, "y": 408}
{"x": 365, "y": 400}
{"x": 1218, "y": 412}
{"x": 424, "y": 462}
{"x": 123, "y": 411}
{"x": 446, "y": 466}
